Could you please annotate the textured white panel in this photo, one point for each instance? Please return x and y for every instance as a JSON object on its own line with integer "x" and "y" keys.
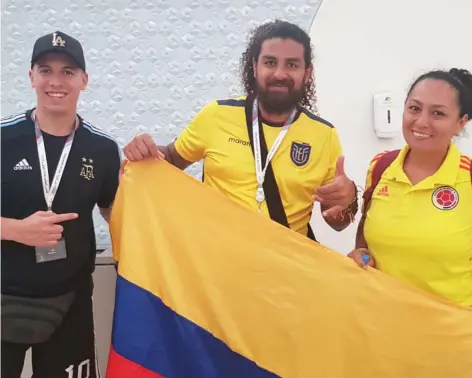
{"x": 152, "y": 63}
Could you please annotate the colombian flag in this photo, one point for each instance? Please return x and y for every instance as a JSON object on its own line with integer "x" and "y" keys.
{"x": 209, "y": 289}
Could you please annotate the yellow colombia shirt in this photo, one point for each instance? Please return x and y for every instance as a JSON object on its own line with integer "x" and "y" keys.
{"x": 422, "y": 234}
{"x": 305, "y": 160}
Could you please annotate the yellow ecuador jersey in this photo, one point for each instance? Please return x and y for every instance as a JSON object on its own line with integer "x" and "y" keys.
{"x": 422, "y": 234}
{"x": 305, "y": 160}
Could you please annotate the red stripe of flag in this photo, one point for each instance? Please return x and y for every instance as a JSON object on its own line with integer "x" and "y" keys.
{"x": 120, "y": 367}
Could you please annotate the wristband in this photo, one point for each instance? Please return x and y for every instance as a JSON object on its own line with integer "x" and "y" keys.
{"x": 352, "y": 208}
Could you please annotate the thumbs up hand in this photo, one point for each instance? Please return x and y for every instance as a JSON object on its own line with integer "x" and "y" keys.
{"x": 337, "y": 195}
{"x": 340, "y": 166}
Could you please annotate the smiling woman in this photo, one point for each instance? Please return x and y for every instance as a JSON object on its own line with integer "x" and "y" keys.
{"x": 438, "y": 107}
{"x": 417, "y": 224}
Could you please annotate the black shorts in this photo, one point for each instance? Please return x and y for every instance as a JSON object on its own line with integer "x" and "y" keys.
{"x": 69, "y": 353}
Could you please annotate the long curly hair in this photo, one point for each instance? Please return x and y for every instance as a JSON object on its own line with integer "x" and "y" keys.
{"x": 277, "y": 29}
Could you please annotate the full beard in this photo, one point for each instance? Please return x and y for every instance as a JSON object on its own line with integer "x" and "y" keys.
{"x": 279, "y": 102}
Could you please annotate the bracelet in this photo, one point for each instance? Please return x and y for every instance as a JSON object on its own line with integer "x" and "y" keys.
{"x": 352, "y": 208}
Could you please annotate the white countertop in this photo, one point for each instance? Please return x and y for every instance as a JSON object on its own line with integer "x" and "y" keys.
{"x": 104, "y": 257}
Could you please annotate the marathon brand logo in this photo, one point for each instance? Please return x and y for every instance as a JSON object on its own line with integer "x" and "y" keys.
{"x": 238, "y": 141}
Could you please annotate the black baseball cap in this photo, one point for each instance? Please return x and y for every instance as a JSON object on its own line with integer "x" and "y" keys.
{"x": 59, "y": 42}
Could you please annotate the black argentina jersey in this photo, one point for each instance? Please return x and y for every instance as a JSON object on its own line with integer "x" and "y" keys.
{"x": 90, "y": 178}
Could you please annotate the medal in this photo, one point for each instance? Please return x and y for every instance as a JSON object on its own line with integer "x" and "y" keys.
{"x": 260, "y": 197}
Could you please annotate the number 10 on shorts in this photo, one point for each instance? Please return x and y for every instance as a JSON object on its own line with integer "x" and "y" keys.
{"x": 83, "y": 370}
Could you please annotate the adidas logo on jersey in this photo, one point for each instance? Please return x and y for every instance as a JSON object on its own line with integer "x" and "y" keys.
{"x": 383, "y": 191}
{"x": 23, "y": 165}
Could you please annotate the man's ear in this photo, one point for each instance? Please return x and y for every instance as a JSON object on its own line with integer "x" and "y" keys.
{"x": 31, "y": 77}
{"x": 84, "y": 80}
{"x": 308, "y": 74}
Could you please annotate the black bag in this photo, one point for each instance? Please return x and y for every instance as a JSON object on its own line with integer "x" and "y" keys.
{"x": 33, "y": 320}
{"x": 271, "y": 189}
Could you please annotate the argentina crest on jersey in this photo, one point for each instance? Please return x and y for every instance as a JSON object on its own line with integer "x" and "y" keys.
{"x": 300, "y": 153}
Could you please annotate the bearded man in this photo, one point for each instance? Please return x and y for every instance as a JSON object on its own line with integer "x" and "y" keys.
{"x": 267, "y": 150}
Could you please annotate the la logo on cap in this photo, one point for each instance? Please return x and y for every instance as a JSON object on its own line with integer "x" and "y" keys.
{"x": 57, "y": 40}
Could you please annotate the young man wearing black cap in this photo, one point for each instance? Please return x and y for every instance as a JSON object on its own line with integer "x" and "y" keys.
{"x": 55, "y": 168}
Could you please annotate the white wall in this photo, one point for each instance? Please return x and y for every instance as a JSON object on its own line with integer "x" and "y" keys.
{"x": 366, "y": 46}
